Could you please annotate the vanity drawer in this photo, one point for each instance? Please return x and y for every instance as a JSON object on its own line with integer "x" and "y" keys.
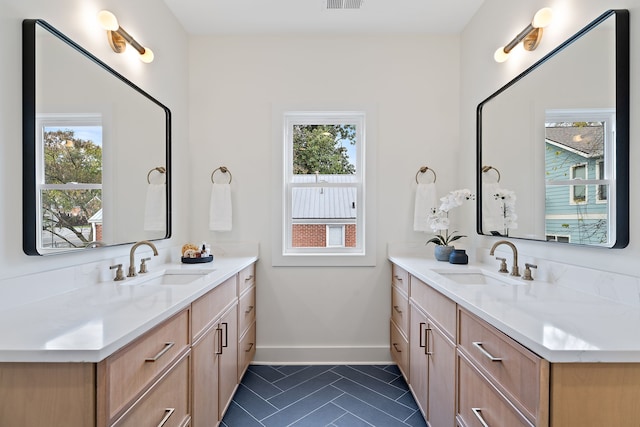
{"x": 515, "y": 370}
{"x": 246, "y": 278}
{"x": 400, "y": 278}
{"x": 166, "y": 401}
{"x": 400, "y": 349}
{"x": 247, "y": 310}
{"x": 480, "y": 404}
{"x": 208, "y": 307}
{"x": 246, "y": 350}
{"x": 128, "y": 372}
{"x": 400, "y": 310}
{"x": 439, "y": 308}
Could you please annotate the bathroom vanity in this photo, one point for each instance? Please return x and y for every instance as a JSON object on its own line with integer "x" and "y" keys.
{"x": 166, "y": 349}
{"x": 506, "y": 352}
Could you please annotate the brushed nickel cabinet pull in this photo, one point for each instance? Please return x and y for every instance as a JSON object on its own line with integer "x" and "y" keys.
{"x": 166, "y": 348}
{"x": 249, "y": 277}
{"x": 219, "y": 334}
{"x": 248, "y": 310}
{"x": 398, "y": 278}
{"x": 478, "y": 413}
{"x": 397, "y": 308}
{"x": 427, "y": 347}
{"x": 395, "y": 345}
{"x": 167, "y": 414}
{"x": 489, "y": 356}
{"x": 250, "y": 347}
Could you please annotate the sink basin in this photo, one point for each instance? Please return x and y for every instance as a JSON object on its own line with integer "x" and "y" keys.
{"x": 478, "y": 277}
{"x": 168, "y": 278}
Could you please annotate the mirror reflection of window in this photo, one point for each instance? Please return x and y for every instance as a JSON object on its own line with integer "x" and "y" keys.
{"x": 69, "y": 177}
{"x": 578, "y": 147}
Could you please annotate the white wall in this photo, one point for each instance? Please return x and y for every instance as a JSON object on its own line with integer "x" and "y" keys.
{"x": 311, "y": 313}
{"x": 497, "y": 22}
{"x": 165, "y": 79}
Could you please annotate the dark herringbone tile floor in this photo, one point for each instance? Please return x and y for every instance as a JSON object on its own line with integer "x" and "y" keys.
{"x": 321, "y": 396}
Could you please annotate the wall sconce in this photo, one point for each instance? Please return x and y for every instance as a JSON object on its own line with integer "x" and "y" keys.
{"x": 118, "y": 37}
{"x": 530, "y": 36}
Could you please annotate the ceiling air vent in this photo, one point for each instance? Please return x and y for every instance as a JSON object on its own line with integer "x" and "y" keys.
{"x": 344, "y": 4}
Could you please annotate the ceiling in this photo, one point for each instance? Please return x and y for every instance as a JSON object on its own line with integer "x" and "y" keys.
{"x": 314, "y": 17}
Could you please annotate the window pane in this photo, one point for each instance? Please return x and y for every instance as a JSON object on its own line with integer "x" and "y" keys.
{"x": 71, "y": 218}
{"x": 324, "y": 149}
{"x": 72, "y": 154}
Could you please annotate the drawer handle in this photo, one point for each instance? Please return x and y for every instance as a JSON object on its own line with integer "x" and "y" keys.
{"x": 422, "y": 335}
{"x": 427, "y": 347}
{"x": 398, "y": 278}
{"x": 167, "y": 414}
{"x": 249, "y": 310}
{"x": 249, "y": 277}
{"x": 478, "y": 345}
{"x": 478, "y": 413}
{"x": 250, "y": 347}
{"x": 219, "y": 334}
{"x": 166, "y": 348}
{"x": 226, "y": 334}
{"x": 395, "y": 345}
{"x": 397, "y": 308}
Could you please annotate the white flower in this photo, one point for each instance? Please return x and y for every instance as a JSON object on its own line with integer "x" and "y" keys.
{"x": 455, "y": 198}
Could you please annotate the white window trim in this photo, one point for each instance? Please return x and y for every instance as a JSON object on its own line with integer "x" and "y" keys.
{"x": 336, "y": 256}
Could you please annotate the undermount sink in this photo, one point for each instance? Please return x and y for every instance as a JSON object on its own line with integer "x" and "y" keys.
{"x": 478, "y": 277}
{"x": 168, "y": 278}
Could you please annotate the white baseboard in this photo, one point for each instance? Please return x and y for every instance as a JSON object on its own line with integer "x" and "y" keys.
{"x": 322, "y": 356}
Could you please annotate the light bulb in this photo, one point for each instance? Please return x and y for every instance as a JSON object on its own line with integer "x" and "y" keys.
{"x": 500, "y": 55}
{"x": 108, "y": 20}
{"x": 542, "y": 18}
{"x": 147, "y": 56}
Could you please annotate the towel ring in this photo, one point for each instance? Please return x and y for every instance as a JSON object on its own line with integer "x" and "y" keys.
{"x": 486, "y": 169}
{"x": 222, "y": 169}
{"x": 160, "y": 169}
{"x": 424, "y": 169}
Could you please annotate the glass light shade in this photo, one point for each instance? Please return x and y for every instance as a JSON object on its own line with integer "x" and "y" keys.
{"x": 147, "y": 56}
{"x": 542, "y": 18}
{"x": 500, "y": 55}
{"x": 108, "y": 20}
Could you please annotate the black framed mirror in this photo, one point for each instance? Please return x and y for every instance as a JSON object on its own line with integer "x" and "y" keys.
{"x": 96, "y": 150}
{"x": 553, "y": 144}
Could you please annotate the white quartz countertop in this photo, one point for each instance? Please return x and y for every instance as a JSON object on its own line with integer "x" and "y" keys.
{"x": 90, "y": 323}
{"x": 555, "y": 322}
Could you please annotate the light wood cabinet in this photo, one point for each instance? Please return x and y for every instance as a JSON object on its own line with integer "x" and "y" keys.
{"x": 399, "y": 322}
{"x": 165, "y": 404}
{"x": 432, "y": 354}
{"x": 494, "y": 379}
{"x": 183, "y": 372}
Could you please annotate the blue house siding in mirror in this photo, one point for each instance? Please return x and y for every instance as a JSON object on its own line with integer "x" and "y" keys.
{"x": 123, "y": 187}
{"x": 523, "y": 159}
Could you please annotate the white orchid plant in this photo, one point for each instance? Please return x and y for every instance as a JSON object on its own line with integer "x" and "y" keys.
{"x": 439, "y": 218}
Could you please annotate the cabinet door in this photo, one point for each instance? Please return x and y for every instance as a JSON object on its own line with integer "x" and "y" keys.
{"x": 228, "y": 369}
{"x": 418, "y": 379}
{"x": 206, "y": 359}
{"x": 442, "y": 373}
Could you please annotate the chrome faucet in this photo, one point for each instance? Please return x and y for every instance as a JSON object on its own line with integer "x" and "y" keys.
{"x": 514, "y": 269}
{"x": 132, "y": 267}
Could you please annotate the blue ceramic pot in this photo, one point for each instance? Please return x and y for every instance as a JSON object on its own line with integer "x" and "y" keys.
{"x": 458, "y": 256}
{"x": 442, "y": 253}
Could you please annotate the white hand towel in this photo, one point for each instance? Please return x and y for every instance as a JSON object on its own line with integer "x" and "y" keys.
{"x": 220, "y": 208}
{"x": 155, "y": 210}
{"x": 426, "y": 201}
{"x": 492, "y": 208}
